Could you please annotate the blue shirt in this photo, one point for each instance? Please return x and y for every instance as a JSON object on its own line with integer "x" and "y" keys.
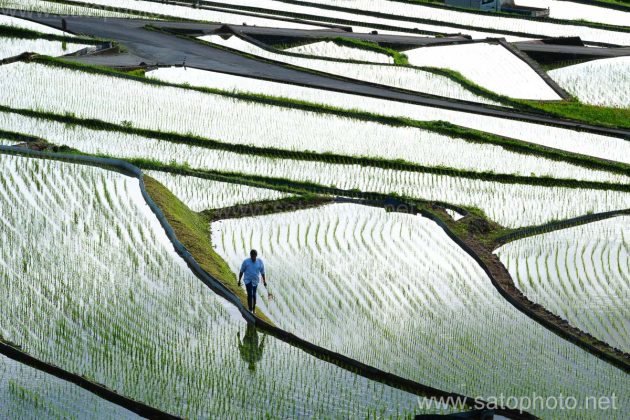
{"x": 252, "y": 270}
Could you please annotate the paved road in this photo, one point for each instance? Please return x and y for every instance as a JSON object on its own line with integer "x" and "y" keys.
{"x": 257, "y": 31}
{"x": 400, "y": 40}
{"x": 159, "y": 48}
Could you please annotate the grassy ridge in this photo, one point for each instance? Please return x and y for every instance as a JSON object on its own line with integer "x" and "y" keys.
{"x": 592, "y": 114}
{"x": 193, "y": 231}
{"x": 265, "y": 207}
{"x": 399, "y": 58}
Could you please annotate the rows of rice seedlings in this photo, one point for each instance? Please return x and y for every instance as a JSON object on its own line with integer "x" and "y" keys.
{"x": 511, "y": 205}
{"x": 95, "y": 286}
{"x": 601, "y": 82}
{"x": 27, "y": 393}
{"x": 402, "y": 77}
{"x": 491, "y": 66}
{"x": 10, "y": 47}
{"x": 479, "y": 21}
{"x": 574, "y": 141}
{"x": 202, "y": 194}
{"x": 322, "y": 134}
{"x": 568, "y": 10}
{"x": 332, "y": 50}
{"x": 40, "y": 6}
{"x": 392, "y": 290}
{"x": 232, "y": 16}
{"x": 365, "y": 20}
{"x": 581, "y": 274}
{"x": 27, "y": 24}
{"x": 185, "y": 12}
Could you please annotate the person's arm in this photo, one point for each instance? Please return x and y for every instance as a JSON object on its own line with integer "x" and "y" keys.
{"x": 240, "y": 274}
{"x": 262, "y": 273}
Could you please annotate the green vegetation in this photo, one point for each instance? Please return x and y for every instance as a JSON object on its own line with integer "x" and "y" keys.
{"x": 193, "y": 230}
{"x": 265, "y": 207}
{"x": 137, "y": 72}
{"x": 399, "y": 58}
{"x": 592, "y": 114}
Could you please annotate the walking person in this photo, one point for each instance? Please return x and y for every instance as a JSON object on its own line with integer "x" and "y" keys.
{"x": 252, "y": 270}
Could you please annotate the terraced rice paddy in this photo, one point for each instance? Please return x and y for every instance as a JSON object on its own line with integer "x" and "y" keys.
{"x": 132, "y": 192}
{"x": 202, "y": 194}
{"x": 29, "y": 393}
{"x": 569, "y": 10}
{"x": 512, "y": 205}
{"x": 186, "y": 12}
{"x": 395, "y": 76}
{"x": 10, "y": 47}
{"x": 60, "y": 8}
{"x": 148, "y": 304}
{"x": 605, "y": 147}
{"x": 491, "y": 66}
{"x": 332, "y": 50}
{"x": 479, "y": 21}
{"x": 600, "y": 82}
{"x": 581, "y": 274}
{"x": 414, "y": 145}
{"x": 392, "y": 291}
{"x": 27, "y": 24}
{"x": 358, "y": 22}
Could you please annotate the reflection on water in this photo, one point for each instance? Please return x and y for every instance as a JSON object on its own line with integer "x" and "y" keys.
{"x": 251, "y": 350}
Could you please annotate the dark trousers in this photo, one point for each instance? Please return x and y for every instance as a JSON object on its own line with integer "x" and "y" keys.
{"x": 251, "y": 296}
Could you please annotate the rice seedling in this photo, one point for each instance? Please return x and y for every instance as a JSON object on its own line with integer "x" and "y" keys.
{"x": 600, "y": 82}
{"x": 511, "y": 205}
{"x": 104, "y": 294}
{"x": 61, "y": 8}
{"x": 27, "y": 24}
{"x": 581, "y": 274}
{"x": 332, "y": 50}
{"x": 402, "y": 77}
{"x": 203, "y": 194}
{"x": 392, "y": 290}
{"x": 29, "y": 393}
{"x": 10, "y": 47}
{"x": 574, "y": 141}
{"x": 491, "y": 66}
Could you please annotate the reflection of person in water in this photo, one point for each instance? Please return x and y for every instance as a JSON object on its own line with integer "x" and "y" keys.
{"x": 251, "y": 351}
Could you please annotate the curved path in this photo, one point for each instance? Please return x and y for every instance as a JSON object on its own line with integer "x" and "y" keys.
{"x": 154, "y": 48}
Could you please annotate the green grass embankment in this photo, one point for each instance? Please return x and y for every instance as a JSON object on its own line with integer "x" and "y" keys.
{"x": 193, "y": 231}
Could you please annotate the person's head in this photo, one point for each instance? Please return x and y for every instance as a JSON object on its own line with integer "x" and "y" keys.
{"x": 253, "y": 254}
